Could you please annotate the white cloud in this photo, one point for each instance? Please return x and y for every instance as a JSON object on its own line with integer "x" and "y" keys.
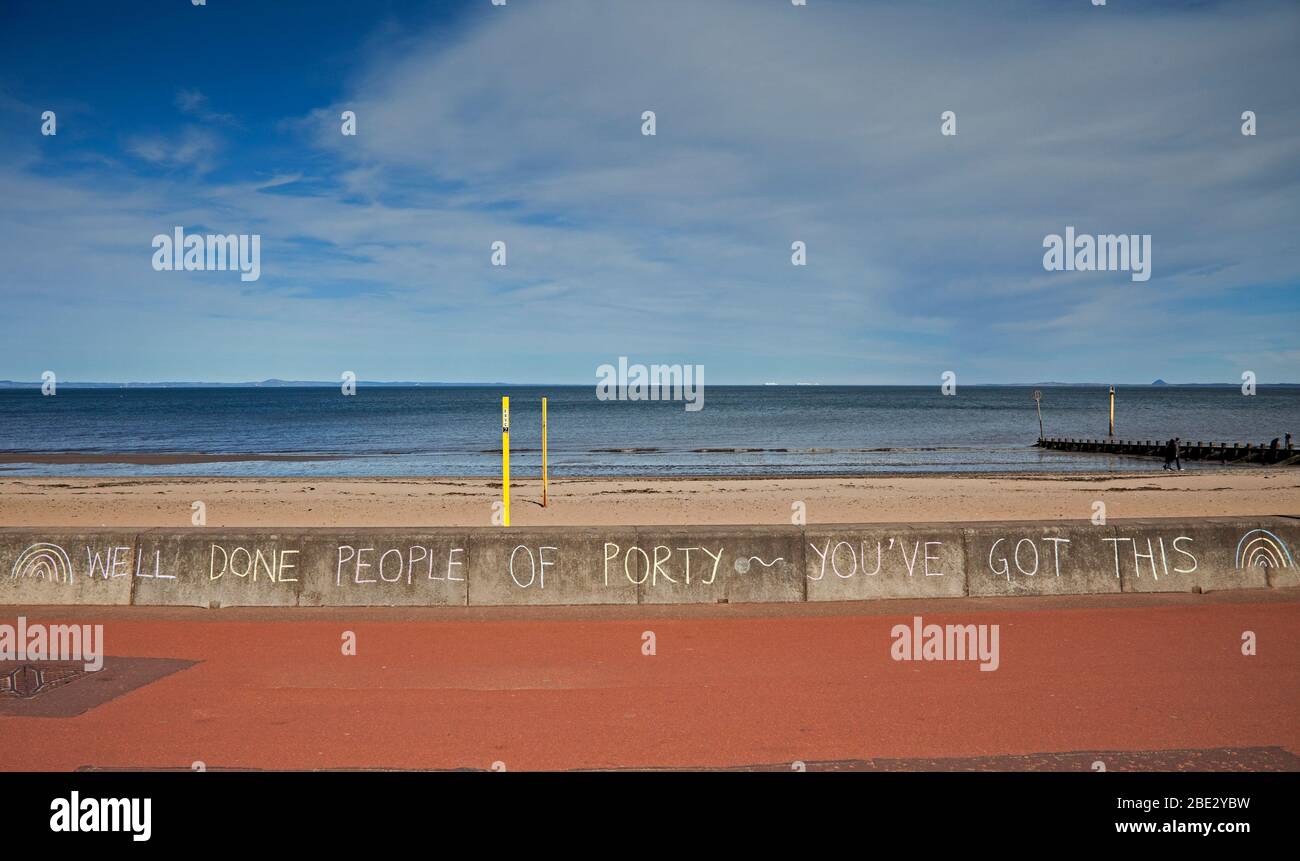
{"x": 192, "y": 148}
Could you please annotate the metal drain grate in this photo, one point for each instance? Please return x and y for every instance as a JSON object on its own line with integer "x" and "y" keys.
{"x": 29, "y": 680}
{"x": 54, "y": 689}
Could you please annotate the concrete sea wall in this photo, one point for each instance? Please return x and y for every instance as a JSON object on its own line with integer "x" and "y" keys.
{"x": 640, "y": 565}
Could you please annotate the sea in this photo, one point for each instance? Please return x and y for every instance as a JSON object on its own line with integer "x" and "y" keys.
{"x": 433, "y": 430}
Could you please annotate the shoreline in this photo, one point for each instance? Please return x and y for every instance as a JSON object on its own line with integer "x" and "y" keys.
{"x": 1140, "y": 465}
{"x": 155, "y": 458}
{"x": 1078, "y": 475}
{"x": 28, "y": 463}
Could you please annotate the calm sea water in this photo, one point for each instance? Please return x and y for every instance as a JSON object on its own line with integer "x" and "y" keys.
{"x": 742, "y": 430}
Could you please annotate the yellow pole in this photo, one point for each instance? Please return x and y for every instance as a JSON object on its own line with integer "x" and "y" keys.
{"x": 543, "y": 452}
{"x": 505, "y": 459}
{"x": 1112, "y": 410}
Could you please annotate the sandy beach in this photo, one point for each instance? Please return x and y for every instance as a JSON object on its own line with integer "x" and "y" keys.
{"x": 158, "y": 502}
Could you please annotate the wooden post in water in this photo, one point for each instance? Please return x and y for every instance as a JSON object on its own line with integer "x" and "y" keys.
{"x": 1038, "y": 397}
{"x": 505, "y": 460}
{"x": 1112, "y": 412}
{"x": 543, "y": 452}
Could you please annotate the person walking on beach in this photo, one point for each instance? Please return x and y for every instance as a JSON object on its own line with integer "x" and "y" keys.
{"x": 1172, "y": 452}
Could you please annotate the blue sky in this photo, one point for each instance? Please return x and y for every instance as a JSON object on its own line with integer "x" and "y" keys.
{"x": 776, "y": 123}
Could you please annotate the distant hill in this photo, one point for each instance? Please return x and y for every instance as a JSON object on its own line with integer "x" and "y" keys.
{"x": 1141, "y": 385}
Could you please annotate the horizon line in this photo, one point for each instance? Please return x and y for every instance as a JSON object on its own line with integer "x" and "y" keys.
{"x": 274, "y": 382}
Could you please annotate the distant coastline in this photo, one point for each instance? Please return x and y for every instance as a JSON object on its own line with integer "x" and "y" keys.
{"x": 400, "y": 384}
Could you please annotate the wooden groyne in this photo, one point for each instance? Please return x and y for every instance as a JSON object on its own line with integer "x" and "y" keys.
{"x": 1280, "y": 451}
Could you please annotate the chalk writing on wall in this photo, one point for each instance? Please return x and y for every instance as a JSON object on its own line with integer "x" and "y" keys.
{"x": 270, "y": 564}
{"x": 642, "y": 567}
{"x": 846, "y": 559}
{"x": 723, "y": 563}
{"x": 1153, "y": 551}
{"x": 1024, "y": 556}
{"x": 53, "y": 564}
{"x": 364, "y": 565}
{"x": 537, "y": 565}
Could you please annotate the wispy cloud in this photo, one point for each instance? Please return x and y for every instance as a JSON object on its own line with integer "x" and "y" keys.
{"x": 195, "y": 104}
{"x": 191, "y": 148}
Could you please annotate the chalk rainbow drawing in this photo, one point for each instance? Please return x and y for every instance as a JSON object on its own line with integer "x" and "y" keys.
{"x": 44, "y": 561}
{"x": 1264, "y": 550}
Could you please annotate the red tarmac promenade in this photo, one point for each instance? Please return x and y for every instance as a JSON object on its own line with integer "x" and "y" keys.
{"x": 729, "y": 687}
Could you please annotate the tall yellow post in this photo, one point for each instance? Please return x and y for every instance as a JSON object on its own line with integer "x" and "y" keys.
{"x": 543, "y": 452}
{"x": 505, "y": 460}
{"x": 1112, "y": 410}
